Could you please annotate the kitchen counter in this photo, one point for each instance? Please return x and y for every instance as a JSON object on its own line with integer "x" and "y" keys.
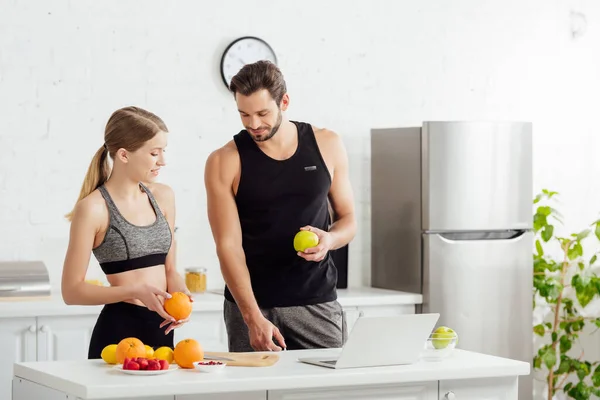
{"x": 209, "y": 301}
{"x": 93, "y": 379}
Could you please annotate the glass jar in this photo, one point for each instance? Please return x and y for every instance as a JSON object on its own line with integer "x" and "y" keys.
{"x": 195, "y": 279}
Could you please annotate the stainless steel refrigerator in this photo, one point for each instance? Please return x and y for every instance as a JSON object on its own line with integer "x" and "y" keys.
{"x": 451, "y": 215}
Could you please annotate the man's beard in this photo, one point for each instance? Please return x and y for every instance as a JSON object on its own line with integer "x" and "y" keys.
{"x": 273, "y": 131}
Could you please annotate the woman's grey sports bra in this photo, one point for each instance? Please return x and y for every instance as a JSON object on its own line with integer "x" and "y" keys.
{"x": 126, "y": 246}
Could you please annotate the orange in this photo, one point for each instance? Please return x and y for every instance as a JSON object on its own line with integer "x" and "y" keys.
{"x": 178, "y": 306}
{"x": 130, "y": 348}
{"x": 187, "y": 352}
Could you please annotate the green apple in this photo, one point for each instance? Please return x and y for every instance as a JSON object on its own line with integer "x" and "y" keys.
{"x": 442, "y": 337}
{"x": 305, "y": 240}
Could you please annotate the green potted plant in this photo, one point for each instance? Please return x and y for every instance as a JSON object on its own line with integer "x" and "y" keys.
{"x": 566, "y": 285}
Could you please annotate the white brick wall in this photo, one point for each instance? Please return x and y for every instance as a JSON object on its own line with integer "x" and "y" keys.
{"x": 66, "y": 65}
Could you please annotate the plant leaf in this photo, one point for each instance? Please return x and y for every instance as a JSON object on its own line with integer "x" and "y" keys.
{"x": 547, "y": 233}
{"x": 539, "y": 330}
{"x": 596, "y": 376}
{"x": 544, "y": 210}
{"x": 539, "y": 248}
{"x": 549, "y": 357}
{"x": 575, "y": 251}
{"x": 565, "y": 366}
{"x": 583, "y": 234}
{"x": 565, "y": 344}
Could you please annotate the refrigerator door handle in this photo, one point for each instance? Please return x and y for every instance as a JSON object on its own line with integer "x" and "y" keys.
{"x": 512, "y": 235}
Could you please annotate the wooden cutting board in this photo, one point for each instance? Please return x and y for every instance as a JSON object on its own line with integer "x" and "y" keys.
{"x": 251, "y": 359}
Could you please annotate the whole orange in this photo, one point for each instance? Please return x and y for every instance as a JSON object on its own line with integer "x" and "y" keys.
{"x": 130, "y": 348}
{"x": 179, "y": 306}
{"x": 187, "y": 352}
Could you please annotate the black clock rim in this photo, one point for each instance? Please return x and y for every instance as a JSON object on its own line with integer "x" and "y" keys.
{"x": 233, "y": 44}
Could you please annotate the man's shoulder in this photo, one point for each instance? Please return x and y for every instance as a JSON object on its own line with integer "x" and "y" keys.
{"x": 223, "y": 156}
{"x": 326, "y": 137}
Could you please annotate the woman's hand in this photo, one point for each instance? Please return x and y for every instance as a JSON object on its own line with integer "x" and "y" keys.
{"x": 176, "y": 324}
{"x": 153, "y": 299}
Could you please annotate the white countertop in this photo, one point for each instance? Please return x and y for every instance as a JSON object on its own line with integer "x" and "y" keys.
{"x": 93, "y": 379}
{"x": 210, "y": 301}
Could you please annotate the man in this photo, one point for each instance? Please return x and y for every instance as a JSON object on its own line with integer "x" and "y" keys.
{"x": 275, "y": 178}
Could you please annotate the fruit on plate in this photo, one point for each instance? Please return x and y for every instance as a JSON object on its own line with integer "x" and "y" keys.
{"x": 109, "y": 354}
{"x": 179, "y": 306}
{"x": 164, "y": 353}
{"x": 145, "y": 364}
{"x": 149, "y": 351}
{"x": 187, "y": 352}
{"x": 442, "y": 337}
{"x": 130, "y": 348}
{"x": 305, "y": 240}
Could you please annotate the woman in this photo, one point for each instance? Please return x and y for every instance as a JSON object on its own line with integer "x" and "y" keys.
{"x": 127, "y": 221}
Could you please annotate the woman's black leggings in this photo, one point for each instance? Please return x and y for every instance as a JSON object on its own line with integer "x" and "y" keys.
{"x": 118, "y": 321}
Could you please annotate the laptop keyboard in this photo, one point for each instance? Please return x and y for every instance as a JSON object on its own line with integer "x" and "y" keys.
{"x": 332, "y": 362}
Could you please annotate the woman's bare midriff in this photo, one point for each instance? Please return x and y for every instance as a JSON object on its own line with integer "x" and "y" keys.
{"x": 154, "y": 276}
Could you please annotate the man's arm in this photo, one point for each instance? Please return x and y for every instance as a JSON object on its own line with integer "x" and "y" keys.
{"x": 220, "y": 171}
{"x": 343, "y": 229}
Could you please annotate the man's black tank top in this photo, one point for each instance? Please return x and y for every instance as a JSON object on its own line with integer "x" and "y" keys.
{"x": 274, "y": 200}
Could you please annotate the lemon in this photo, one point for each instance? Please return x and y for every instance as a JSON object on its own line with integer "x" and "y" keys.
{"x": 442, "y": 337}
{"x": 149, "y": 351}
{"x": 305, "y": 240}
{"x": 164, "y": 353}
{"x": 109, "y": 354}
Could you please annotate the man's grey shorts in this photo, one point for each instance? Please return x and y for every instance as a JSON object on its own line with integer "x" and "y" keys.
{"x": 302, "y": 327}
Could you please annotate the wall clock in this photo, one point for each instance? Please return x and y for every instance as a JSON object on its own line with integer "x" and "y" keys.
{"x": 242, "y": 51}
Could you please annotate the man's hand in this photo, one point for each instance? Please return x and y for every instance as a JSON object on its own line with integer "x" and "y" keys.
{"x": 318, "y": 252}
{"x": 262, "y": 332}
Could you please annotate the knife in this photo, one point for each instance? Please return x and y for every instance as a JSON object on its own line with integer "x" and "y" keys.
{"x": 217, "y": 358}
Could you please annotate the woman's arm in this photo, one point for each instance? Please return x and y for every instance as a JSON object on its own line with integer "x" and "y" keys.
{"x": 86, "y": 222}
{"x": 166, "y": 199}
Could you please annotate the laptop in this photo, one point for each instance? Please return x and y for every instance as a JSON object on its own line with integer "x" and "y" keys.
{"x": 381, "y": 341}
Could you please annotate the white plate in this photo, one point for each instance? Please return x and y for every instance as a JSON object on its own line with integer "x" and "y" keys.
{"x": 142, "y": 372}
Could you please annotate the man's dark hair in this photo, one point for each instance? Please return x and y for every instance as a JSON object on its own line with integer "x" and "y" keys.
{"x": 257, "y": 76}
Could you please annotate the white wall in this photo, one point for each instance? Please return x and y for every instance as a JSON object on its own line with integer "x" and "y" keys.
{"x": 350, "y": 66}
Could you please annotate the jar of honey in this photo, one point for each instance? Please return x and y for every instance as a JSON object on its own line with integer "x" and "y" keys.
{"x": 195, "y": 279}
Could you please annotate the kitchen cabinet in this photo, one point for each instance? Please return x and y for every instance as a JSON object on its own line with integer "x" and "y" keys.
{"x": 17, "y": 344}
{"x": 65, "y": 337}
{"x": 422, "y": 391}
{"x": 262, "y": 395}
{"x": 502, "y": 388}
{"x": 464, "y": 376}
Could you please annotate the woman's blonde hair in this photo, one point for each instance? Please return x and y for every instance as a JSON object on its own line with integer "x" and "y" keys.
{"x": 127, "y": 128}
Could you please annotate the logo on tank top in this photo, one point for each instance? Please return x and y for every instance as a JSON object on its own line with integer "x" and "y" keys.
{"x": 311, "y": 168}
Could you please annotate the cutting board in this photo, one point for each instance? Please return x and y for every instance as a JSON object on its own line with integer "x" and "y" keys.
{"x": 251, "y": 359}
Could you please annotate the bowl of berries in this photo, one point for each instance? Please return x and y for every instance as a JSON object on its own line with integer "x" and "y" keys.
{"x": 209, "y": 366}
